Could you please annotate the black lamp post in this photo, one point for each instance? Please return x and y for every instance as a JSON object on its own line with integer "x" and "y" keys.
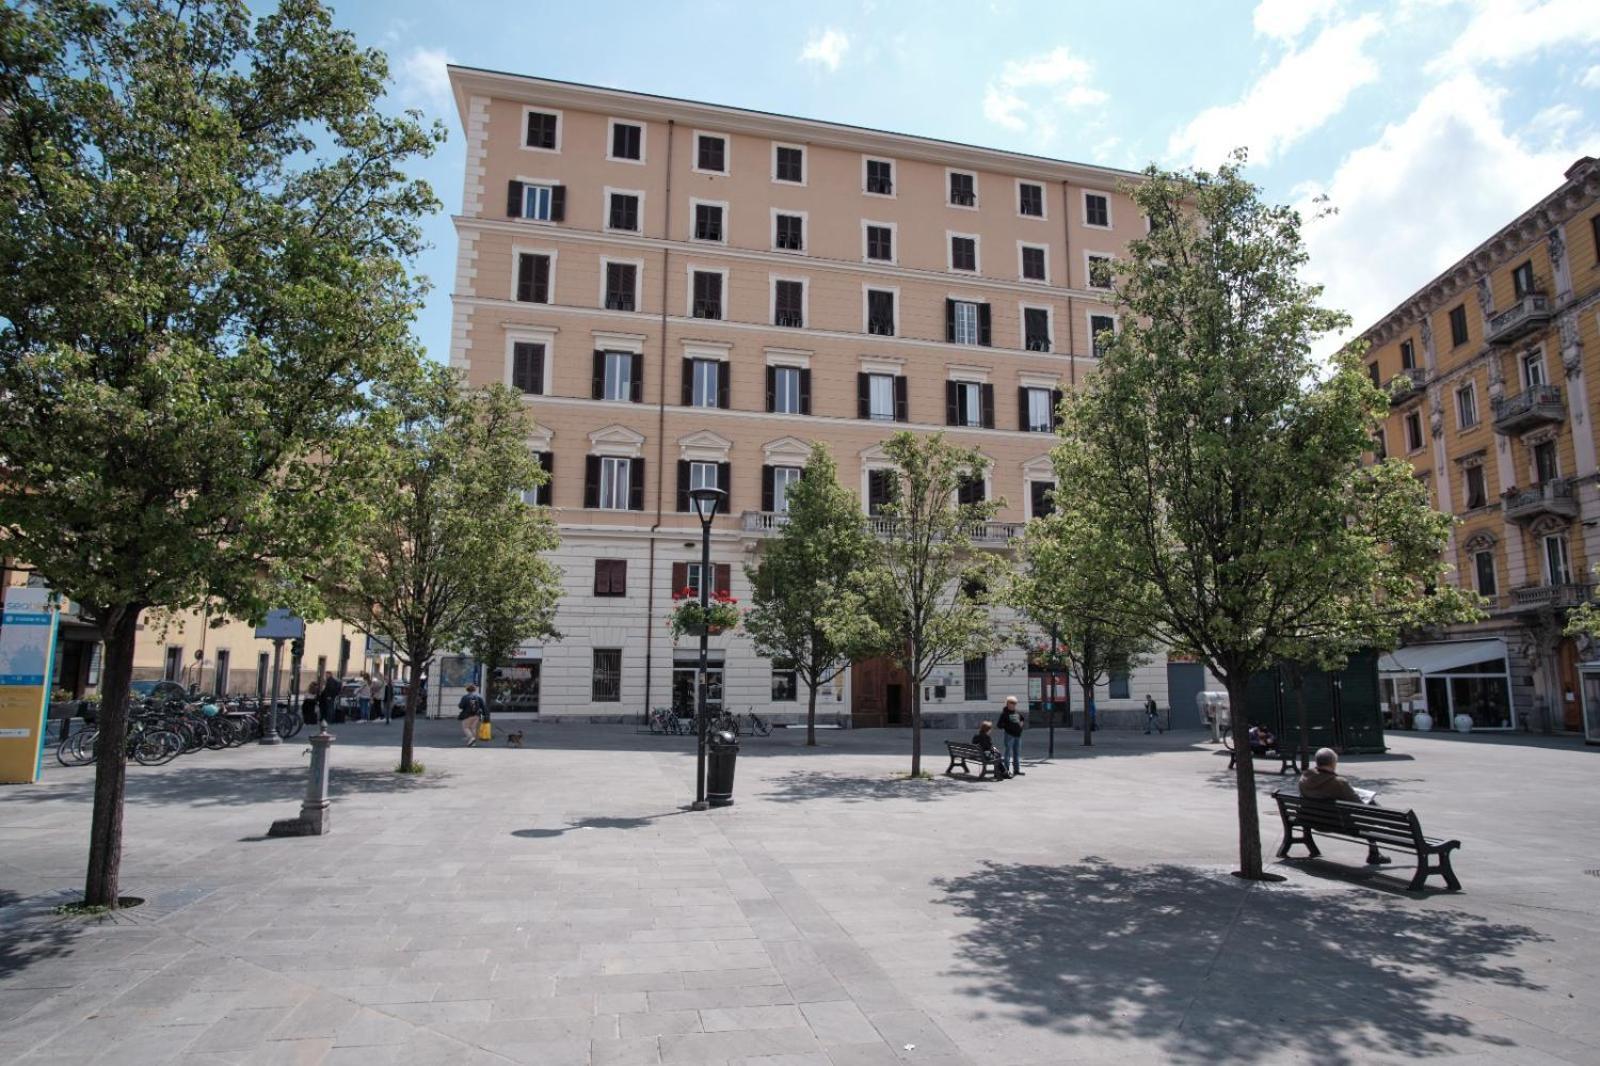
{"x": 1052, "y": 678}
{"x": 705, "y": 501}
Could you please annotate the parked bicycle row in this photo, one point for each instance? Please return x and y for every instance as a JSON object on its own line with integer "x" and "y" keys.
{"x": 666, "y": 721}
{"x": 161, "y": 730}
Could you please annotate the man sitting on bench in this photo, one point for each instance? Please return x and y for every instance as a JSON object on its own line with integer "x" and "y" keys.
{"x": 983, "y": 740}
{"x": 1322, "y": 781}
{"x": 1262, "y": 740}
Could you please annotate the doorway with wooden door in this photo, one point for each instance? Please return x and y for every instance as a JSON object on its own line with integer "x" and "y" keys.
{"x": 879, "y": 694}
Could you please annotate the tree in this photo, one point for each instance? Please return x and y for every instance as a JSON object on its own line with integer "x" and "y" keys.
{"x": 1071, "y": 589}
{"x": 927, "y": 592}
{"x": 1234, "y": 479}
{"x": 806, "y": 608}
{"x": 446, "y": 481}
{"x": 205, "y": 234}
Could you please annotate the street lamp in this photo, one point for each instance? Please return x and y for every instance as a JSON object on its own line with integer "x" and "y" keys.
{"x": 705, "y": 501}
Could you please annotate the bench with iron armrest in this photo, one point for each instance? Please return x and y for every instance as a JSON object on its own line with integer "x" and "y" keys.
{"x": 1366, "y": 824}
{"x": 1285, "y": 757}
{"x": 960, "y": 753}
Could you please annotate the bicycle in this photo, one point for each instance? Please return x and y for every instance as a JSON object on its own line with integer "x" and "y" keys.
{"x": 664, "y": 720}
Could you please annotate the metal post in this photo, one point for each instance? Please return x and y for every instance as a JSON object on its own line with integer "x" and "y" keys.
{"x": 700, "y": 699}
{"x": 1050, "y": 683}
{"x": 269, "y": 715}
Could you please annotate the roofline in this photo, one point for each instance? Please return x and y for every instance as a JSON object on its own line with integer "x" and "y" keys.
{"x": 629, "y": 104}
{"x": 1582, "y": 183}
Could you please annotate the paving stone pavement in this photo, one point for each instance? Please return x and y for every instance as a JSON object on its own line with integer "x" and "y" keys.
{"x": 556, "y": 904}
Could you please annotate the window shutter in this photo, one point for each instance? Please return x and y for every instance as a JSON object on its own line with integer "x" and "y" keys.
{"x": 636, "y": 490}
{"x": 683, "y": 486}
{"x": 863, "y": 396}
{"x": 545, "y": 493}
{"x": 772, "y": 389}
{"x": 541, "y": 279}
{"x": 725, "y": 483}
{"x": 952, "y": 403}
{"x": 602, "y": 577}
{"x": 636, "y": 378}
{"x": 599, "y": 375}
{"x": 986, "y": 392}
{"x": 805, "y": 390}
{"x": 525, "y": 277}
{"x": 688, "y": 382}
{"x": 1022, "y": 408}
{"x": 1055, "y": 409}
{"x": 619, "y": 577}
{"x": 558, "y": 203}
{"x": 591, "y": 481}
{"x": 514, "y": 199}
{"x": 680, "y": 577}
{"x": 900, "y": 405}
{"x": 950, "y": 320}
{"x": 983, "y": 324}
{"x": 724, "y": 372}
{"x": 767, "y": 492}
{"x": 724, "y": 578}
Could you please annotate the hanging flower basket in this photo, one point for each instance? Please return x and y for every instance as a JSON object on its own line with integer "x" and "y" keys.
{"x": 688, "y": 618}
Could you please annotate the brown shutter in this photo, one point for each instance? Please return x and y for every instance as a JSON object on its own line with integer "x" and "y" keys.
{"x": 767, "y": 492}
{"x": 772, "y": 389}
{"x": 546, "y": 492}
{"x": 514, "y": 199}
{"x": 901, "y": 407}
{"x": 724, "y": 373}
{"x": 723, "y": 581}
{"x": 1055, "y": 409}
{"x": 950, "y": 320}
{"x": 1022, "y": 408}
{"x": 602, "y": 577}
{"x": 599, "y": 375}
{"x": 591, "y": 481}
{"x": 986, "y": 392}
{"x": 984, "y": 332}
{"x": 541, "y": 279}
{"x": 636, "y": 378}
{"x": 725, "y": 483}
{"x": 863, "y": 396}
{"x": 805, "y": 390}
{"x": 636, "y": 490}
{"x": 680, "y": 578}
{"x": 525, "y": 278}
{"x": 558, "y": 204}
{"x": 952, "y": 403}
{"x": 688, "y": 382}
{"x": 683, "y": 486}
{"x": 619, "y": 577}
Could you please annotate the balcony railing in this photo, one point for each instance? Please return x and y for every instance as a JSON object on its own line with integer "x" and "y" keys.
{"x": 1038, "y": 344}
{"x": 1533, "y": 407}
{"x": 619, "y": 301}
{"x": 1529, "y": 313}
{"x": 883, "y": 327}
{"x": 881, "y": 186}
{"x": 1404, "y": 386}
{"x": 1561, "y": 595}
{"x": 963, "y": 197}
{"x": 1555, "y": 497}
{"x": 788, "y": 319}
{"x": 708, "y": 309}
{"x": 986, "y": 533}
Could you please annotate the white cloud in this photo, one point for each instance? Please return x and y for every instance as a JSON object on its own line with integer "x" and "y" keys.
{"x": 826, "y": 48}
{"x": 1288, "y": 19}
{"x": 1502, "y": 32}
{"x": 1304, "y": 90}
{"x": 1591, "y": 78}
{"x": 1426, "y": 192}
{"x": 422, "y": 78}
{"x": 1025, "y": 94}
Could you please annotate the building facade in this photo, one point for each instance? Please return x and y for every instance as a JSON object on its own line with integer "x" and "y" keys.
{"x": 690, "y": 294}
{"x": 1494, "y": 367}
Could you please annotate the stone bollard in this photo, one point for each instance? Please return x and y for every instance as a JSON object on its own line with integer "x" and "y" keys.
{"x": 313, "y": 819}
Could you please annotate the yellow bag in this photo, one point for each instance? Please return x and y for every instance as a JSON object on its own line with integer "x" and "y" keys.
{"x": 485, "y": 731}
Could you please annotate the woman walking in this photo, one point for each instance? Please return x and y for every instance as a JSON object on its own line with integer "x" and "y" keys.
{"x": 364, "y": 698}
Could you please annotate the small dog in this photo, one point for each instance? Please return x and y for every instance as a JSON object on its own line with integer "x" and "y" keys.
{"x": 514, "y": 740}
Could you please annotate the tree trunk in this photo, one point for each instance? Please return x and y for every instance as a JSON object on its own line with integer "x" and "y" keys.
{"x": 811, "y": 717}
{"x": 120, "y": 630}
{"x": 488, "y": 685}
{"x": 916, "y": 714}
{"x": 408, "y": 734}
{"x": 1088, "y": 713}
{"x": 1298, "y": 680}
{"x": 1245, "y": 783}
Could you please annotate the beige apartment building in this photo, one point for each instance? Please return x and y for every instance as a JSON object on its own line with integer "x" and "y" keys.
{"x": 690, "y": 294}
{"x": 1496, "y": 360}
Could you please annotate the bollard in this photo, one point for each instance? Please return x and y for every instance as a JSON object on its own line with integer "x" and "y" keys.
{"x": 313, "y": 819}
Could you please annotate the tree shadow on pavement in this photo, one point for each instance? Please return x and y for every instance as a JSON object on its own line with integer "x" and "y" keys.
{"x": 643, "y": 822}
{"x": 863, "y": 788}
{"x": 1216, "y": 970}
{"x": 28, "y": 939}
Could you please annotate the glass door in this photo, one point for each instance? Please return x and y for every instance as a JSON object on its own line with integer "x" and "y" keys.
{"x": 1591, "y": 707}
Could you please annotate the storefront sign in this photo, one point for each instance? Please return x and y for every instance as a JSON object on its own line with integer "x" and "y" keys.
{"x": 27, "y": 653}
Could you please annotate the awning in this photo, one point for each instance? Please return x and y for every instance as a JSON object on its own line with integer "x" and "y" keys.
{"x": 1437, "y": 658}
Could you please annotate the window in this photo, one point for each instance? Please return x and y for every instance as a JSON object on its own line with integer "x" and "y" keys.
{"x": 1522, "y": 279}
{"x": 536, "y": 202}
{"x": 1477, "y": 494}
{"x": 542, "y": 130}
{"x": 963, "y": 189}
{"x": 541, "y": 496}
{"x": 785, "y": 687}
{"x": 1036, "y": 329}
{"x": 623, "y": 213}
{"x": 322, "y": 665}
{"x": 621, "y": 287}
{"x": 627, "y": 141}
{"x": 1483, "y": 565}
{"x": 880, "y": 490}
{"x": 880, "y": 312}
{"x": 1594, "y": 227}
{"x": 788, "y": 390}
{"x": 1041, "y": 494}
{"x": 694, "y": 474}
{"x": 1458, "y": 325}
{"x": 1096, "y": 210}
{"x": 1099, "y": 271}
{"x": 789, "y": 164}
{"x": 1557, "y": 568}
{"x": 263, "y": 671}
{"x": 611, "y": 577}
{"x": 881, "y": 397}
{"x": 1380, "y": 444}
{"x": 1533, "y": 369}
{"x": 703, "y": 384}
{"x": 969, "y": 403}
{"x": 970, "y": 491}
{"x": 1038, "y": 410}
{"x": 1372, "y": 372}
{"x": 1033, "y": 268}
{"x": 1099, "y": 327}
{"x": 707, "y": 294}
{"x": 1030, "y": 199}
{"x": 1545, "y": 467}
{"x": 963, "y": 253}
{"x": 966, "y": 322}
{"x": 1414, "y": 431}
{"x": 174, "y": 664}
{"x": 975, "y": 679}
{"x": 880, "y": 243}
{"x": 1118, "y": 688}
{"x": 711, "y": 153}
{"x": 1467, "y": 406}
{"x": 788, "y": 304}
{"x": 1408, "y": 356}
{"x": 880, "y": 177}
{"x": 527, "y": 368}
{"x": 783, "y": 478}
{"x": 708, "y": 222}
{"x": 607, "y": 685}
{"x": 616, "y": 482}
{"x": 789, "y": 235}
{"x": 533, "y": 278}
{"x": 615, "y": 376}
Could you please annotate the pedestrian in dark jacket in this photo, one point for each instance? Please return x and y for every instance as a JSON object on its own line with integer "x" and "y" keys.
{"x": 983, "y": 740}
{"x": 328, "y": 695}
{"x": 1011, "y": 724}
{"x": 471, "y": 712}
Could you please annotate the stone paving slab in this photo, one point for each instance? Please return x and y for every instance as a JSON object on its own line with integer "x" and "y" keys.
{"x": 556, "y": 904}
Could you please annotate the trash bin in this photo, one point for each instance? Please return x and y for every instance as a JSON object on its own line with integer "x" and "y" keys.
{"x": 722, "y": 752}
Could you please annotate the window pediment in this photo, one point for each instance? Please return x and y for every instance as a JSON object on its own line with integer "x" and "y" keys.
{"x": 617, "y": 440}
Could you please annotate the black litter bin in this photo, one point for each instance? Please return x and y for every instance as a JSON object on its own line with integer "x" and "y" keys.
{"x": 722, "y": 753}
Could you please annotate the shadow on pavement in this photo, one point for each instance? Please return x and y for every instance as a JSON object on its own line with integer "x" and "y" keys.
{"x": 596, "y": 823}
{"x": 852, "y": 788}
{"x": 24, "y": 944}
{"x": 1215, "y": 970}
{"x": 210, "y": 786}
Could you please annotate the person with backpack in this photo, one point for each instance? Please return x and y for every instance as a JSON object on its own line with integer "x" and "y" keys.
{"x": 470, "y": 713}
{"x": 1011, "y": 724}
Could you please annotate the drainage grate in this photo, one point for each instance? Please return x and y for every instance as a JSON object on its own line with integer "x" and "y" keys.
{"x": 1592, "y": 873}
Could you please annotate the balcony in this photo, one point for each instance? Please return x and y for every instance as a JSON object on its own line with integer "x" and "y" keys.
{"x": 882, "y": 327}
{"x": 1527, "y": 410}
{"x": 1404, "y": 386}
{"x": 1567, "y": 594}
{"x": 1039, "y": 344}
{"x": 1531, "y": 312}
{"x": 789, "y": 320}
{"x": 987, "y": 534}
{"x": 1554, "y": 497}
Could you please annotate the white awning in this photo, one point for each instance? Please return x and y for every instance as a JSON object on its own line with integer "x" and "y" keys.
{"x": 1437, "y": 658}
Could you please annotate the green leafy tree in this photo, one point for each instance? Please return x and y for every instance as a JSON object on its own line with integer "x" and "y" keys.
{"x": 447, "y": 479}
{"x": 927, "y": 593}
{"x": 1234, "y": 479}
{"x": 806, "y": 608}
{"x": 205, "y": 230}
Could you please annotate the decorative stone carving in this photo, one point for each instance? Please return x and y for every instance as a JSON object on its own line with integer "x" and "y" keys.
{"x": 1558, "y": 251}
{"x": 1427, "y": 338}
{"x": 1485, "y": 297}
{"x": 1540, "y": 436}
{"x": 1481, "y": 541}
{"x": 1548, "y": 524}
{"x": 1471, "y": 459}
{"x": 1571, "y": 345}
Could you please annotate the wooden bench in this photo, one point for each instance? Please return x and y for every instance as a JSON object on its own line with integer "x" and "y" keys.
{"x": 1367, "y": 824}
{"x": 960, "y": 753}
{"x": 1285, "y": 757}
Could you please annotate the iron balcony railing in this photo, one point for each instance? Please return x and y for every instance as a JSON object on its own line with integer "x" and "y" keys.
{"x": 788, "y": 319}
{"x": 1563, "y": 594}
{"x": 1534, "y": 406}
{"x": 1530, "y": 312}
{"x": 708, "y": 309}
{"x": 1555, "y": 496}
{"x": 987, "y": 533}
{"x": 883, "y": 327}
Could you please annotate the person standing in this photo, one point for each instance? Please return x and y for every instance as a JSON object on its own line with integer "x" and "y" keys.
{"x": 1152, "y": 717}
{"x": 364, "y": 697}
{"x": 328, "y": 696}
{"x": 387, "y": 701}
{"x": 1011, "y": 724}
{"x": 470, "y": 713}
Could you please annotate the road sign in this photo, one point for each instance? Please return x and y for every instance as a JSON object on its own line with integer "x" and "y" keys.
{"x": 281, "y": 625}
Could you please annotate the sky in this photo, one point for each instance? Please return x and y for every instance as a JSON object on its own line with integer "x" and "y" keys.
{"x": 1428, "y": 124}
